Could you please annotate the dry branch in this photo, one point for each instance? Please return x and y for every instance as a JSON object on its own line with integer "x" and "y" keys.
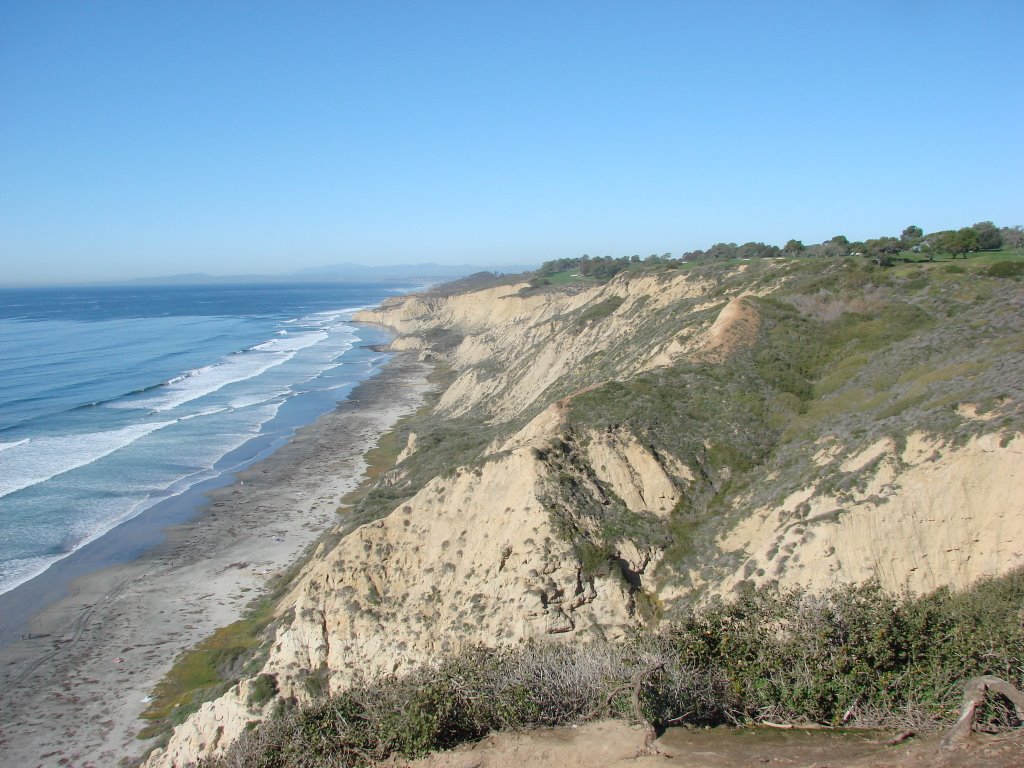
{"x": 975, "y": 691}
{"x": 650, "y": 734}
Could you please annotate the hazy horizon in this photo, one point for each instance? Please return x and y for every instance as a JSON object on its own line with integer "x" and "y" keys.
{"x": 320, "y": 273}
{"x": 143, "y": 140}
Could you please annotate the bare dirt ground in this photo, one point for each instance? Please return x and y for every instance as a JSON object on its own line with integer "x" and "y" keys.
{"x": 613, "y": 743}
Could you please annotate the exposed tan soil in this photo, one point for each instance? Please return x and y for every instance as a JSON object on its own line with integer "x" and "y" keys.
{"x": 613, "y": 743}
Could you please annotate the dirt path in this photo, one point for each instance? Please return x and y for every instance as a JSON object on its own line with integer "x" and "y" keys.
{"x": 612, "y": 743}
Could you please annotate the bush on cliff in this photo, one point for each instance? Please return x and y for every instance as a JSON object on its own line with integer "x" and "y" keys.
{"x": 855, "y": 655}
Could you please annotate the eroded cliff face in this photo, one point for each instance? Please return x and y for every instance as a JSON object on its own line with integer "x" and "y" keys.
{"x": 472, "y": 558}
{"x": 500, "y": 551}
{"x": 923, "y": 517}
{"x": 516, "y": 347}
{"x": 644, "y": 482}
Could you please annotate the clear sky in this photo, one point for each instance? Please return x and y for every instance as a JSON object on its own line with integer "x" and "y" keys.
{"x": 155, "y": 137}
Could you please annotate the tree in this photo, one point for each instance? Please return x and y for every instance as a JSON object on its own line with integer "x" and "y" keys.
{"x": 1012, "y": 237}
{"x": 968, "y": 240}
{"x": 989, "y": 238}
{"x": 722, "y": 251}
{"x": 961, "y": 242}
{"x": 793, "y": 247}
{"x": 881, "y": 250}
{"x": 754, "y": 250}
{"x": 836, "y": 246}
{"x": 911, "y": 234}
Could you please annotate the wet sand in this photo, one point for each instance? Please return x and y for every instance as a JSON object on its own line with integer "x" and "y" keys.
{"x": 71, "y": 692}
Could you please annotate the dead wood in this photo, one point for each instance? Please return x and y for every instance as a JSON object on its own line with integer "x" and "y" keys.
{"x": 650, "y": 734}
{"x": 975, "y": 691}
{"x": 900, "y": 738}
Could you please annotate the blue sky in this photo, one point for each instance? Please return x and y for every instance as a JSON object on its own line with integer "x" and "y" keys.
{"x": 149, "y": 138}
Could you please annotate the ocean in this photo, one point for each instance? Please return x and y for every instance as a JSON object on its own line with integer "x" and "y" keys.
{"x": 113, "y": 399}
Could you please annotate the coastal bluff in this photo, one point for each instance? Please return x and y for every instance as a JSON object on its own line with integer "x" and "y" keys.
{"x": 655, "y": 441}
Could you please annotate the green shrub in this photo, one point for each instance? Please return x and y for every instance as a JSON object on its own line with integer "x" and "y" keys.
{"x": 595, "y": 559}
{"x": 854, "y": 654}
{"x": 599, "y": 311}
{"x": 262, "y": 689}
{"x": 1011, "y": 269}
{"x": 857, "y": 651}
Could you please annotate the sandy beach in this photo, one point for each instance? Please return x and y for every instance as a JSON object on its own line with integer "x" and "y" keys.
{"x": 71, "y": 694}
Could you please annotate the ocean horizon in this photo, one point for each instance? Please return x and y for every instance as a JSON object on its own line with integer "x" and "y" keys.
{"x": 114, "y": 399}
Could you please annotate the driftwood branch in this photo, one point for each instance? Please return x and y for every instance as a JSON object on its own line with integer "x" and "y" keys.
{"x": 650, "y": 734}
{"x": 900, "y": 738}
{"x": 795, "y": 726}
{"x": 975, "y": 691}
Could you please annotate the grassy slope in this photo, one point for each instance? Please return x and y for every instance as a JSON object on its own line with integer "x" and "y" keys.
{"x": 982, "y": 257}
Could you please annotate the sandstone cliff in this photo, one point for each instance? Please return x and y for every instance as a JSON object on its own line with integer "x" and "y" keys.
{"x": 655, "y": 440}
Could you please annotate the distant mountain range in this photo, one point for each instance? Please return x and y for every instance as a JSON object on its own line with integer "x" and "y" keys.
{"x": 348, "y": 272}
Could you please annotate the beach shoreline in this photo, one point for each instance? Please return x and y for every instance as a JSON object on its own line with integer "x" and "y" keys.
{"x": 72, "y": 692}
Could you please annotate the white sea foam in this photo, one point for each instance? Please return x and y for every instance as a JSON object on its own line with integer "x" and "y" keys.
{"x": 323, "y": 319}
{"x": 246, "y": 402}
{"x": 340, "y": 352}
{"x": 238, "y": 367}
{"x": 36, "y": 461}
{"x": 96, "y": 520}
{"x": 207, "y": 412}
{"x": 20, "y": 570}
{"x": 60, "y": 516}
{"x": 291, "y": 342}
{"x": 339, "y": 386}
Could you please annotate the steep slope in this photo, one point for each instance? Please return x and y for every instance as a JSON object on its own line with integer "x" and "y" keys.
{"x": 926, "y": 516}
{"x": 517, "y": 345}
{"x": 602, "y": 455}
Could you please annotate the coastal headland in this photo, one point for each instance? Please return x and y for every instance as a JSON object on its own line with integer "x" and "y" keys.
{"x": 71, "y": 692}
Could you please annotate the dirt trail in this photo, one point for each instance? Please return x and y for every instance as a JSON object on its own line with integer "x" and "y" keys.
{"x": 613, "y": 743}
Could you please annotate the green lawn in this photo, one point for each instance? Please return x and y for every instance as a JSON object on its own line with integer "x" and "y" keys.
{"x": 563, "y": 278}
{"x": 983, "y": 257}
{"x": 990, "y": 257}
